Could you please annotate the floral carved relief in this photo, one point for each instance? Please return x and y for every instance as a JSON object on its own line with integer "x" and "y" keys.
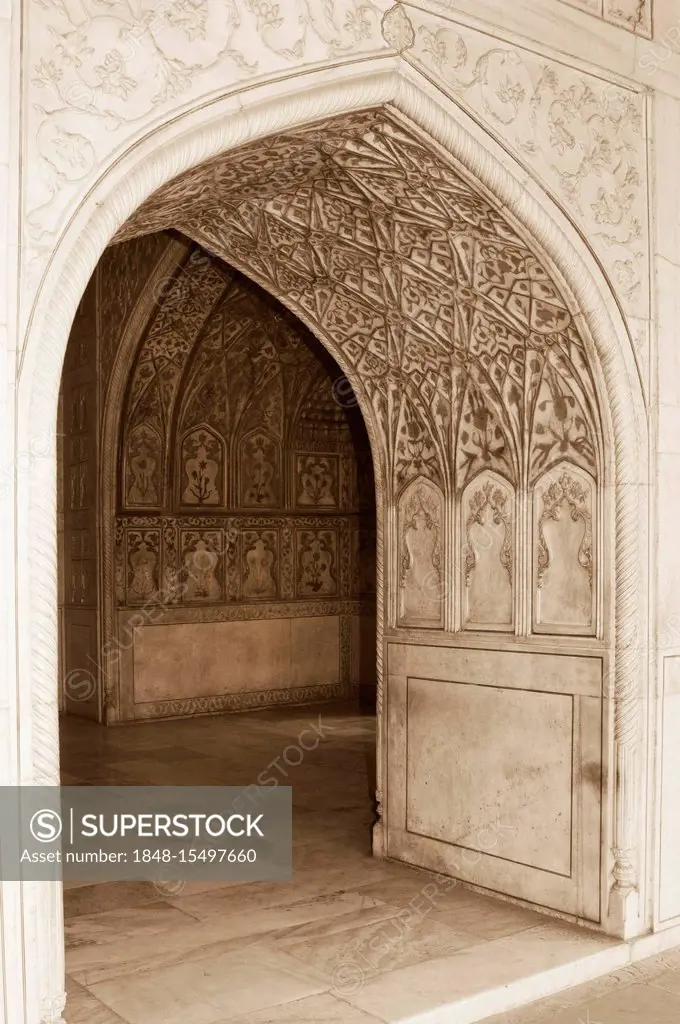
{"x": 317, "y": 560}
{"x": 564, "y": 557}
{"x": 317, "y": 481}
{"x": 100, "y": 75}
{"x": 201, "y": 564}
{"x": 247, "y": 369}
{"x": 201, "y": 460}
{"x": 143, "y": 550}
{"x": 143, "y": 464}
{"x": 260, "y": 471}
{"x": 422, "y": 571}
{"x": 635, "y": 15}
{"x": 259, "y": 564}
{"x": 488, "y": 553}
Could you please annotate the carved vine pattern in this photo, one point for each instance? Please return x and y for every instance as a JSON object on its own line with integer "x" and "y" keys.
{"x": 568, "y": 490}
{"x": 489, "y": 496}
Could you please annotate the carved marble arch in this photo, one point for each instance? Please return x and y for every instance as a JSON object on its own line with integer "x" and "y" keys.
{"x": 422, "y": 558}
{"x": 488, "y": 556}
{"x": 565, "y": 551}
{"x": 200, "y": 467}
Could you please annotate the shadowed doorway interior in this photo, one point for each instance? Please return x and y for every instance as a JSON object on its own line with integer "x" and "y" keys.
{"x": 237, "y": 570}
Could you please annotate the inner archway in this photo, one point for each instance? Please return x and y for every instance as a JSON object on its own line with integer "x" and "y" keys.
{"x": 235, "y": 500}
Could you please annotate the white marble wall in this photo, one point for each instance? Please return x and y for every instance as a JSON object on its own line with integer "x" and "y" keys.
{"x": 76, "y": 112}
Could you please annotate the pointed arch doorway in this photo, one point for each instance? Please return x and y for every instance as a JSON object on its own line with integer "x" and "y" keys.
{"x": 481, "y": 399}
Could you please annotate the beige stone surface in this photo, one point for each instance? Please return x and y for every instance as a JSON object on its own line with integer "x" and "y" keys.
{"x": 346, "y": 932}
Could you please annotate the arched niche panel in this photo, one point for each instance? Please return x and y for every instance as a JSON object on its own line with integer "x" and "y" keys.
{"x": 564, "y": 554}
{"x": 201, "y": 468}
{"x": 259, "y": 467}
{"x": 487, "y": 533}
{"x": 421, "y": 558}
{"x": 143, "y": 468}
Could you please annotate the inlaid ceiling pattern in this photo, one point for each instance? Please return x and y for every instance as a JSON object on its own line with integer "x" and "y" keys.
{"x": 446, "y": 320}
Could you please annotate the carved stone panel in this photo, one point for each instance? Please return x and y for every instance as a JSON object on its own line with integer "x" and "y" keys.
{"x": 487, "y": 553}
{"x": 143, "y": 550}
{"x": 317, "y": 563}
{"x": 564, "y": 552}
{"x": 317, "y": 481}
{"x": 422, "y": 577}
{"x": 260, "y": 468}
{"x": 143, "y": 467}
{"x": 202, "y": 564}
{"x": 201, "y": 464}
{"x": 260, "y": 564}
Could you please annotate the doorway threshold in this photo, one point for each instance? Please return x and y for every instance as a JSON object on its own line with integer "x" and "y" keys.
{"x": 503, "y": 975}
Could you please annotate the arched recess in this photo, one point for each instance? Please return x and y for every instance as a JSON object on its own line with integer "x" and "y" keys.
{"x": 198, "y": 136}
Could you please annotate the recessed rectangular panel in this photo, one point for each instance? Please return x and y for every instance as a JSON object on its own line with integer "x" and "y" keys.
{"x": 495, "y": 770}
{"x": 315, "y": 650}
{"x": 526, "y": 670}
{"x": 490, "y": 769}
{"x": 210, "y": 658}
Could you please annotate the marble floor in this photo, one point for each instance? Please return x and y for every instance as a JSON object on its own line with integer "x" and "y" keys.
{"x": 350, "y": 939}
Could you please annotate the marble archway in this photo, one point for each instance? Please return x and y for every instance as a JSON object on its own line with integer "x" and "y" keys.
{"x": 482, "y": 398}
{"x": 591, "y": 308}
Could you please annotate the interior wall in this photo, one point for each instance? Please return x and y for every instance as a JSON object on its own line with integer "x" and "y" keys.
{"x": 244, "y": 558}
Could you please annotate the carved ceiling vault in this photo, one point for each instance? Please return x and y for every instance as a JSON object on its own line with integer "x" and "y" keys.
{"x": 439, "y": 309}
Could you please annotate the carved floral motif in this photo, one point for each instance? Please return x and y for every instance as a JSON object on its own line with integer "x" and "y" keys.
{"x": 569, "y": 492}
{"x": 260, "y": 469}
{"x": 422, "y": 570}
{"x": 144, "y": 466}
{"x": 317, "y": 562}
{"x": 201, "y": 461}
{"x": 143, "y": 556}
{"x": 317, "y": 481}
{"x": 201, "y": 558}
{"x": 492, "y": 498}
{"x": 583, "y": 138}
{"x": 259, "y": 564}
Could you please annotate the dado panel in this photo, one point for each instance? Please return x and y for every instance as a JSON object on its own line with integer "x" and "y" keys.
{"x": 230, "y": 664}
{"x": 495, "y": 767}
